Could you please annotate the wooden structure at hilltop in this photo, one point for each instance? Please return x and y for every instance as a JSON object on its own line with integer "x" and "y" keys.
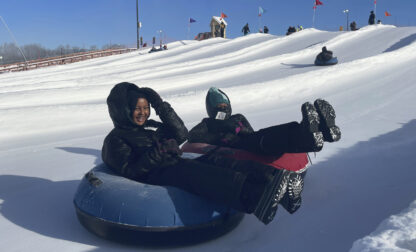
{"x": 218, "y": 23}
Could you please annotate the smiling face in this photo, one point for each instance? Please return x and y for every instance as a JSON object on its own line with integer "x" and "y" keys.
{"x": 141, "y": 112}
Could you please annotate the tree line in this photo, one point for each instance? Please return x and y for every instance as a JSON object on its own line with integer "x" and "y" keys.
{"x": 9, "y": 52}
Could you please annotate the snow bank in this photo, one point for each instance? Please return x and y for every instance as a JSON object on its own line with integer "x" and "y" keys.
{"x": 397, "y": 233}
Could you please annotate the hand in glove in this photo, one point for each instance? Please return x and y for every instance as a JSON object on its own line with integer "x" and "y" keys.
{"x": 165, "y": 153}
{"x": 225, "y": 126}
{"x": 171, "y": 146}
{"x": 153, "y": 97}
{"x": 230, "y": 139}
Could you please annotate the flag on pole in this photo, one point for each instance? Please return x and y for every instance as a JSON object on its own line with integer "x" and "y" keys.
{"x": 191, "y": 20}
{"x": 387, "y": 14}
{"x": 261, "y": 11}
{"x": 223, "y": 15}
{"x": 375, "y": 1}
{"x": 317, "y": 2}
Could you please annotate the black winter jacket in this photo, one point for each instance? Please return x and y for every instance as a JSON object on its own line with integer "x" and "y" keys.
{"x": 324, "y": 56}
{"x": 221, "y": 132}
{"x": 135, "y": 151}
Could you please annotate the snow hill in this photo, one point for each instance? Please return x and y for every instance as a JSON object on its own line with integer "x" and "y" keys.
{"x": 360, "y": 193}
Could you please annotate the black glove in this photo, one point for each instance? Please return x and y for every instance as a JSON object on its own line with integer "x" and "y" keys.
{"x": 225, "y": 126}
{"x": 171, "y": 146}
{"x": 153, "y": 97}
{"x": 165, "y": 153}
{"x": 230, "y": 139}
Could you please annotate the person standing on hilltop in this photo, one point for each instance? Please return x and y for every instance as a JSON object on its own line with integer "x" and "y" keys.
{"x": 372, "y": 18}
{"x": 245, "y": 29}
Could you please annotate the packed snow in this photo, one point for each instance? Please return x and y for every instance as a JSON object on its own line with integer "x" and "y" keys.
{"x": 360, "y": 193}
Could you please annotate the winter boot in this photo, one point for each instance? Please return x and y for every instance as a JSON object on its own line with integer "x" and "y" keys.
{"x": 326, "y": 112}
{"x": 313, "y": 138}
{"x": 292, "y": 199}
{"x": 274, "y": 191}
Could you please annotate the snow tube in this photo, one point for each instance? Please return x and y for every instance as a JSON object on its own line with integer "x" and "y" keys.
{"x": 296, "y": 162}
{"x": 332, "y": 61}
{"x": 120, "y": 209}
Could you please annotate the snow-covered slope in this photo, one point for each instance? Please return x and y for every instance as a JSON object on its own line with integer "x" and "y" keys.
{"x": 357, "y": 192}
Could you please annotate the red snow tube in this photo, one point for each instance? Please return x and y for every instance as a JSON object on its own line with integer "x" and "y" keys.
{"x": 296, "y": 162}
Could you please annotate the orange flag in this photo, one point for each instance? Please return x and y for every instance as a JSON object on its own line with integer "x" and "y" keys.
{"x": 387, "y": 14}
{"x": 223, "y": 15}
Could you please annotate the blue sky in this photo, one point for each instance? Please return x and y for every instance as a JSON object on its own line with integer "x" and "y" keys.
{"x": 84, "y": 23}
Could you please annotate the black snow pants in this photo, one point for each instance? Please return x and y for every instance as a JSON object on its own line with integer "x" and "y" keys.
{"x": 234, "y": 183}
{"x": 277, "y": 140}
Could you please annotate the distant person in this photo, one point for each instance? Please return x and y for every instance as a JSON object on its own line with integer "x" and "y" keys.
{"x": 217, "y": 31}
{"x": 353, "y": 26}
{"x": 300, "y": 27}
{"x": 341, "y": 28}
{"x": 325, "y": 55}
{"x": 265, "y": 29}
{"x": 145, "y": 45}
{"x": 222, "y": 29}
{"x": 245, "y": 29}
{"x": 325, "y": 58}
{"x": 379, "y": 21}
{"x": 372, "y": 18}
{"x": 290, "y": 30}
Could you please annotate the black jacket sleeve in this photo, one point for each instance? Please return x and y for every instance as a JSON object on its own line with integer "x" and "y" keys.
{"x": 201, "y": 134}
{"x": 173, "y": 124}
{"x": 220, "y": 132}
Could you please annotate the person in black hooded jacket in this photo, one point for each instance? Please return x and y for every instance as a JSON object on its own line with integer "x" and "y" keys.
{"x": 221, "y": 128}
{"x": 324, "y": 55}
{"x": 371, "y": 18}
{"x": 147, "y": 151}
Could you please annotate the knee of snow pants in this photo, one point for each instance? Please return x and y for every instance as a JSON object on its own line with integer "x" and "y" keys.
{"x": 274, "y": 140}
{"x": 213, "y": 182}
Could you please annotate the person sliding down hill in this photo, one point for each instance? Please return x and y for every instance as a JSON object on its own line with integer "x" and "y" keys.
{"x": 325, "y": 58}
{"x": 224, "y": 129}
{"x": 148, "y": 151}
{"x": 325, "y": 55}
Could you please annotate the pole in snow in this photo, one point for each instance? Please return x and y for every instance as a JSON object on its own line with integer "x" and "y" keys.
{"x": 347, "y": 12}
{"x": 11, "y": 34}
{"x": 137, "y": 23}
{"x": 313, "y": 17}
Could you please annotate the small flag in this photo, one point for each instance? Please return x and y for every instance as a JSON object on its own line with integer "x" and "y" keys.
{"x": 375, "y": 1}
{"x": 191, "y": 20}
{"x": 387, "y": 14}
{"x": 223, "y": 15}
{"x": 317, "y": 2}
{"x": 261, "y": 11}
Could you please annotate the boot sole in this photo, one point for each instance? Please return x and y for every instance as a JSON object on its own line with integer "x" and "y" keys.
{"x": 292, "y": 199}
{"x": 326, "y": 112}
{"x": 311, "y": 115}
{"x": 311, "y": 118}
{"x": 267, "y": 207}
